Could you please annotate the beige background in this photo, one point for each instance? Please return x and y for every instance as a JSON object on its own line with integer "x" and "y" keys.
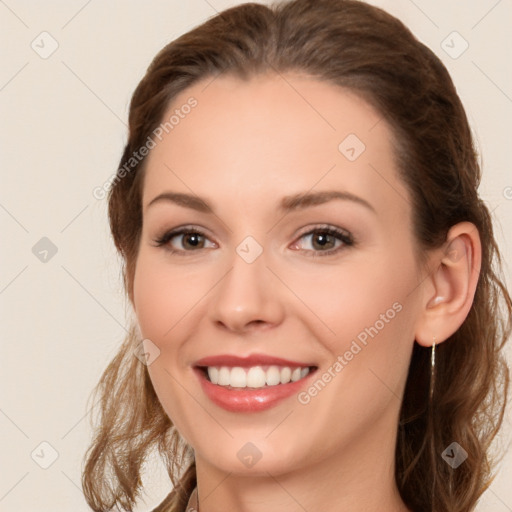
{"x": 62, "y": 132}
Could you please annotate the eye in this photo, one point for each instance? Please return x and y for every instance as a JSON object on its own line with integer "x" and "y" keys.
{"x": 187, "y": 240}
{"x": 325, "y": 240}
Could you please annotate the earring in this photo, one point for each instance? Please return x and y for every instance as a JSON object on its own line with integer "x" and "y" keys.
{"x": 431, "y": 411}
{"x": 432, "y": 367}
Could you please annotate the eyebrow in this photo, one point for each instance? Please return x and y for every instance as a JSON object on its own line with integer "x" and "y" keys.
{"x": 288, "y": 203}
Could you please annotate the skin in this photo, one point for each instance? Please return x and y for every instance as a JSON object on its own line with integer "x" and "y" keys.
{"x": 242, "y": 148}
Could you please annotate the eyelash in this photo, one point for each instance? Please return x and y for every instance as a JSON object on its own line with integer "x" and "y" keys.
{"x": 343, "y": 236}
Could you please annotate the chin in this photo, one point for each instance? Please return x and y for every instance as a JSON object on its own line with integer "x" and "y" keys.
{"x": 255, "y": 458}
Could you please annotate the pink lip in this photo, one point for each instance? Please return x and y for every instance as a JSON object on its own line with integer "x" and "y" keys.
{"x": 252, "y": 360}
{"x": 247, "y": 399}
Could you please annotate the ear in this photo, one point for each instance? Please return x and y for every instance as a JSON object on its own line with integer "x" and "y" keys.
{"x": 449, "y": 289}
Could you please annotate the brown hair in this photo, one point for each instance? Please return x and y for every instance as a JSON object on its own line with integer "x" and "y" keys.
{"x": 363, "y": 49}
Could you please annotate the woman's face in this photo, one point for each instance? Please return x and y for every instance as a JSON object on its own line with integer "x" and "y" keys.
{"x": 253, "y": 272}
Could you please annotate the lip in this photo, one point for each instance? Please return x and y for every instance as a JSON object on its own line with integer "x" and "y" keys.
{"x": 247, "y": 399}
{"x": 252, "y": 360}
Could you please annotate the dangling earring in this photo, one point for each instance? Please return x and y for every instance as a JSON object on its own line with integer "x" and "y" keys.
{"x": 432, "y": 368}
{"x": 431, "y": 415}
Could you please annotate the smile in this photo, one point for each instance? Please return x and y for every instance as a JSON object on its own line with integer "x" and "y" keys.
{"x": 253, "y": 383}
{"x": 255, "y": 376}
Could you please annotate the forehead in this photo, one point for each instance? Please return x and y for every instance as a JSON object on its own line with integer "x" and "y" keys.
{"x": 270, "y": 136}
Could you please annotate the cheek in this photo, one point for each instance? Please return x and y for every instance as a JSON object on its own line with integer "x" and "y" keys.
{"x": 364, "y": 317}
{"x": 164, "y": 299}
{"x": 163, "y": 295}
{"x": 347, "y": 300}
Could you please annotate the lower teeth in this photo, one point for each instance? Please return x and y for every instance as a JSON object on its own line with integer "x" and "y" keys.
{"x": 247, "y": 387}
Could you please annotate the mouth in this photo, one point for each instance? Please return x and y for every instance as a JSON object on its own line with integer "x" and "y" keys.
{"x": 254, "y": 377}
{"x": 251, "y": 384}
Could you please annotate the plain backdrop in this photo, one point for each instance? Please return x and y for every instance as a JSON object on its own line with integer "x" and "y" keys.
{"x": 68, "y": 71}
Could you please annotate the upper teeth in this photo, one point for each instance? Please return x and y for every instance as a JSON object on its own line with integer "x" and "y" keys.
{"x": 254, "y": 377}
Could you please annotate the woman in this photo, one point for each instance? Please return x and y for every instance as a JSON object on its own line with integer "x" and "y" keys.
{"x": 370, "y": 378}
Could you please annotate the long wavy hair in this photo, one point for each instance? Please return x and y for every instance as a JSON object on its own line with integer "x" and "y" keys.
{"x": 369, "y": 52}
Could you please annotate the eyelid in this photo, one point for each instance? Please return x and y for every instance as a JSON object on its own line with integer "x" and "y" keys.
{"x": 324, "y": 227}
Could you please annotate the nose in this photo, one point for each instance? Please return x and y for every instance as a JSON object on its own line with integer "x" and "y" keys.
{"x": 248, "y": 297}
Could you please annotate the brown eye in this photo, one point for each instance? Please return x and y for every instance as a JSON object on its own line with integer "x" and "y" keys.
{"x": 193, "y": 240}
{"x": 182, "y": 240}
{"x": 326, "y": 241}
